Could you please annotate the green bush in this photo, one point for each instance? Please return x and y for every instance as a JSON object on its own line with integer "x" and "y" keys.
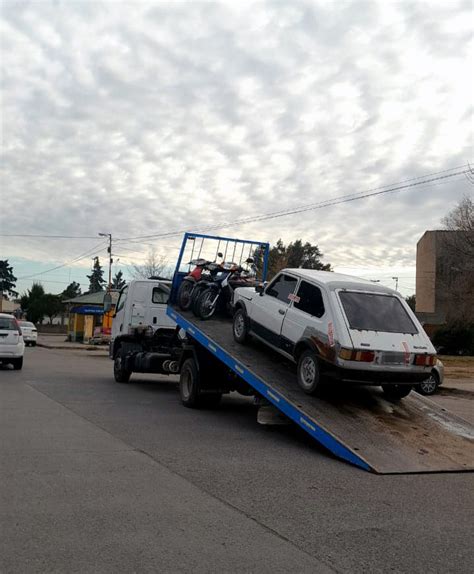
{"x": 456, "y": 338}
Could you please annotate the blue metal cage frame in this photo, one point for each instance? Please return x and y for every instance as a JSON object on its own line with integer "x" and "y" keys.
{"x": 188, "y": 236}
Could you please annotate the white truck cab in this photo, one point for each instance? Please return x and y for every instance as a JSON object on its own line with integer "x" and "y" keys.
{"x": 337, "y": 325}
{"x": 141, "y": 304}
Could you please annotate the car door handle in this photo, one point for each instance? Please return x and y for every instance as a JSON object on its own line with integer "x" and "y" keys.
{"x": 281, "y": 311}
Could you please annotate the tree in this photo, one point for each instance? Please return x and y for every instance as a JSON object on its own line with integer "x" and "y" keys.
{"x": 456, "y": 263}
{"x": 411, "y": 300}
{"x": 118, "y": 282}
{"x": 52, "y": 306}
{"x": 295, "y": 254}
{"x": 7, "y": 279}
{"x": 72, "y": 291}
{"x": 33, "y": 303}
{"x": 96, "y": 278}
{"x": 461, "y": 219}
{"x": 154, "y": 266}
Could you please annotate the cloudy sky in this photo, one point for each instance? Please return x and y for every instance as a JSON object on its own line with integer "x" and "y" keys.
{"x": 139, "y": 118}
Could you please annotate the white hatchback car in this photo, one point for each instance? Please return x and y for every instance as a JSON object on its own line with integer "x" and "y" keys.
{"x": 30, "y": 333}
{"x": 337, "y": 326}
{"x": 12, "y": 346}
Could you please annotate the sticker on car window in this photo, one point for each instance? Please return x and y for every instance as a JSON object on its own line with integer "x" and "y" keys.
{"x": 294, "y": 298}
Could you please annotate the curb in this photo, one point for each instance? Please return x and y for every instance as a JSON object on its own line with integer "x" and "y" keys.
{"x": 65, "y": 347}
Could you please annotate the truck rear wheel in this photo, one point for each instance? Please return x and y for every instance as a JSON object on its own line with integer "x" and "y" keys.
{"x": 121, "y": 374}
{"x": 396, "y": 392}
{"x": 190, "y": 387}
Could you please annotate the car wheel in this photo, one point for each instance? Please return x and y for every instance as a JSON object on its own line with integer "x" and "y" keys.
{"x": 308, "y": 372}
{"x": 18, "y": 364}
{"x": 121, "y": 375}
{"x": 396, "y": 392}
{"x": 240, "y": 326}
{"x": 430, "y": 386}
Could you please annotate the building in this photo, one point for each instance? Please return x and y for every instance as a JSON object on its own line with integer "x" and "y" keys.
{"x": 87, "y": 319}
{"x": 444, "y": 278}
{"x": 7, "y": 306}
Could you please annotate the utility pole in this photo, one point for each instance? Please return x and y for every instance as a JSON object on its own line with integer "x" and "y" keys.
{"x": 396, "y": 283}
{"x": 109, "y": 250}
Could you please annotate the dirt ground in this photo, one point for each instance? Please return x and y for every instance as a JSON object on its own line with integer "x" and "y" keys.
{"x": 458, "y": 367}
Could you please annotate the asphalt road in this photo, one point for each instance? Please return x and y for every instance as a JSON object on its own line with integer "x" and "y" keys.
{"x": 101, "y": 477}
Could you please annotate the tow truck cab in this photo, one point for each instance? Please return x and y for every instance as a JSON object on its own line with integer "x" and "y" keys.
{"x": 141, "y": 306}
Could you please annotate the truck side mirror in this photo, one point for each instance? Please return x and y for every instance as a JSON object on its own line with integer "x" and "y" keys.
{"x": 107, "y": 302}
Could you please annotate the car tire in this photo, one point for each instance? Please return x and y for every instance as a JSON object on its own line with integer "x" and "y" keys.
{"x": 240, "y": 327}
{"x": 430, "y": 386}
{"x": 121, "y": 375}
{"x": 309, "y": 377}
{"x": 18, "y": 364}
{"x": 190, "y": 388}
{"x": 396, "y": 392}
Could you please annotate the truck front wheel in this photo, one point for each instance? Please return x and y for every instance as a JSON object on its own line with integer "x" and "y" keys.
{"x": 121, "y": 374}
{"x": 190, "y": 387}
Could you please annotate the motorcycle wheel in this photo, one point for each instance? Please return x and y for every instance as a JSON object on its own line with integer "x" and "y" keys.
{"x": 184, "y": 294}
{"x": 207, "y": 304}
{"x": 194, "y": 305}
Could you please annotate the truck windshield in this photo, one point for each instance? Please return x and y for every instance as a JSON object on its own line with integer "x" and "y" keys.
{"x": 376, "y": 312}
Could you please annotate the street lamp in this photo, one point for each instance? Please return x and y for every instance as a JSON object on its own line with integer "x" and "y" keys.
{"x": 109, "y": 250}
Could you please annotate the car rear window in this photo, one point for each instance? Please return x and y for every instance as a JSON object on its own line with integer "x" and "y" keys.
{"x": 376, "y": 312}
{"x": 8, "y": 324}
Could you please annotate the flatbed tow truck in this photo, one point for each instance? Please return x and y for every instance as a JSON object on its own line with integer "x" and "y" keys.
{"x": 359, "y": 425}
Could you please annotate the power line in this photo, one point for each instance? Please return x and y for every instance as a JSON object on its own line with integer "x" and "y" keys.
{"x": 423, "y": 180}
{"x": 32, "y": 235}
{"x": 88, "y": 253}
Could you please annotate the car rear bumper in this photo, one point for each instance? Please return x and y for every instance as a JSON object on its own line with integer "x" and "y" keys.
{"x": 11, "y": 351}
{"x": 361, "y": 377}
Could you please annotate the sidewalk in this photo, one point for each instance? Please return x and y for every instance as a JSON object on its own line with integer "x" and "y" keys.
{"x": 49, "y": 341}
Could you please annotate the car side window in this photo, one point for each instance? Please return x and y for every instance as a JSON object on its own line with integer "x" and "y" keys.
{"x": 160, "y": 294}
{"x": 309, "y": 299}
{"x": 282, "y": 287}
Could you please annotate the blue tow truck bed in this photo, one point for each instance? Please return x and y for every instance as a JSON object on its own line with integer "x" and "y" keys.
{"x": 358, "y": 425}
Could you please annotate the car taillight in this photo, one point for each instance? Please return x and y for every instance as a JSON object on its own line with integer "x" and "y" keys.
{"x": 355, "y": 355}
{"x": 425, "y": 360}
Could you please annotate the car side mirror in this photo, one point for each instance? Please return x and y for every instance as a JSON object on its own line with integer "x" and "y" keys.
{"x": 260, "y": 288}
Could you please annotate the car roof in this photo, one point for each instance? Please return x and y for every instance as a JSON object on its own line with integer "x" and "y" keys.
{"x": 339, "y": 280}
{"x": 8, "y": 315}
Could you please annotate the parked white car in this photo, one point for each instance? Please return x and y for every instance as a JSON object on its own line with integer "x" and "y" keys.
{"x": 436, "y": 378}
{"x": 30, "y": 333}
{"x": 12, "y": 346}
{"x": 337, "y": 326}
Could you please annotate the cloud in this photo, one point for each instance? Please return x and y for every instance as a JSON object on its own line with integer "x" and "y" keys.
{"x": 144, "y": 118}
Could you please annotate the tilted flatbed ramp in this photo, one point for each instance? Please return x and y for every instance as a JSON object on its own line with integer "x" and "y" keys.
{"x": 356, "y": 424}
